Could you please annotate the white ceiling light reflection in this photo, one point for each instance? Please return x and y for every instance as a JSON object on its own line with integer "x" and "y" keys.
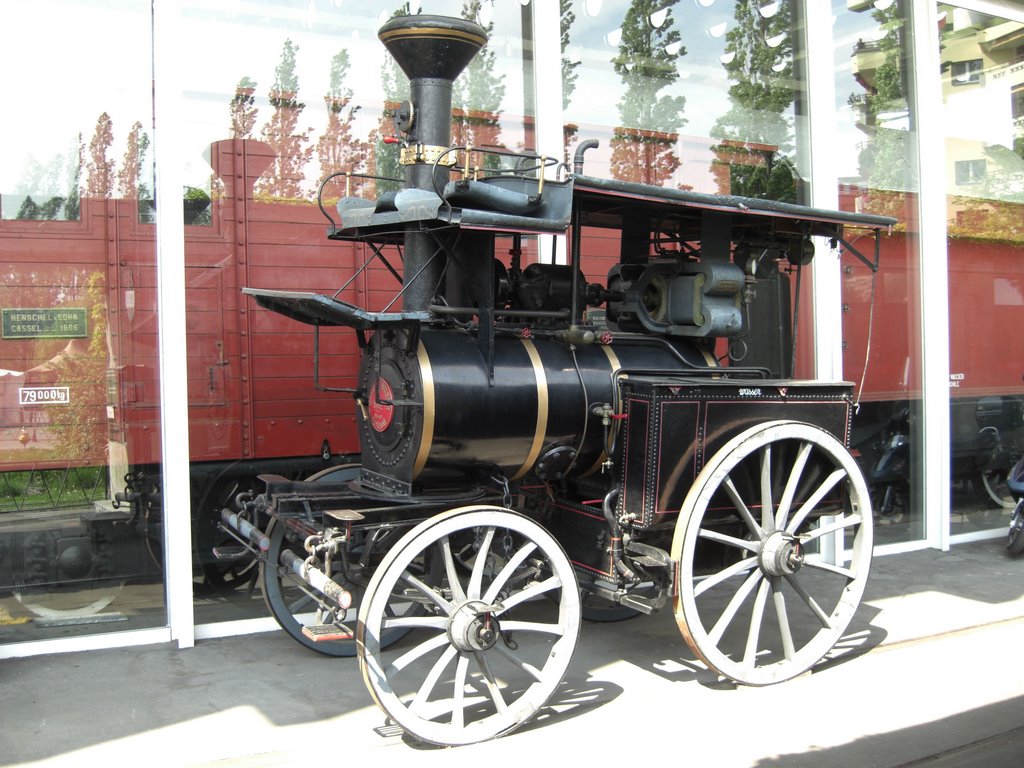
{"x": 614, "y": 37}
{"x": 767, "y": 11}
{"x": 727, "y": 58}
{"x": 673, "y": 48}
{"x": 775, "y": 41}
{"x": 883, "y": 5}
{"x": 658, "y": 18}
{"x": 592, "y": 7}
{"x": 717, "y": 31}
{"x": 778, "y": 66}
{"x": 704, "y": 3}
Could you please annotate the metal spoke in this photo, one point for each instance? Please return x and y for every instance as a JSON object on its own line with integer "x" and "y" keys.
{"x": 726, "y": 573}
{"x": 809, "y": 601}
{"x": 529, "y": 669}
{"x": 416, "y": 622}
{"x": 795, "y": 474}
{"x": 847, "y": 521}
{"x": 533, "y": 626}
{"x": 732, "y": 541}
{"x": 742, "y": 508}
{"x": 459, "y": 693}
{"x": 534, "y": 590}
{"x": 788, "y": 650}
{"x": 429, "y": 592}
{"x": 827, "y": 485}
{"x": 731, "y": 609}
{"x": 767, "y": 506}
{"x": 423, "y": 694}
{"x": 491, "y": 683}
{"x": 506, "y": 573}
{"x": 477, "y": 576}
{"x": 407, "y": 658}
{"x": 754, "y": 633}
{"x": 458, "y": 595}
{"x": 821, "y": 565}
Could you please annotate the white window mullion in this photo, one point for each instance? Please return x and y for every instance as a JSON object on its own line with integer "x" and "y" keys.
{"x": 168, "y": 154}
{"x": 933, "y": 272}
{"x": 818, "y": 163}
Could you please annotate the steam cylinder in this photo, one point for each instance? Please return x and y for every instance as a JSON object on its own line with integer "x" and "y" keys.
{"x": 432, "y": 51}
{"x": 435, "y": 407}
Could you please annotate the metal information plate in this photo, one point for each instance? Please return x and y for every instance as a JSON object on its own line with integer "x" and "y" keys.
{"x": 44, "y": 395}
{"x": 45, "y": 323}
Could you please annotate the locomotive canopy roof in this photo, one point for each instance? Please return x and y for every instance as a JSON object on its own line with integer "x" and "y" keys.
{"x": 495, "y": 203}
{"x": 619, "y": 204}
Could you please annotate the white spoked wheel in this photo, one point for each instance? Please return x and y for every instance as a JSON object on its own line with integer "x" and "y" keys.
{"x": 497, "y": 635}
{"x": 773, "y": 546}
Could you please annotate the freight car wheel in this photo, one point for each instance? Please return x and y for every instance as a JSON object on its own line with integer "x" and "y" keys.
{"x": 290, "y": 601}
{"x": 760, "y": 598}
{"x": 490, "y": 650}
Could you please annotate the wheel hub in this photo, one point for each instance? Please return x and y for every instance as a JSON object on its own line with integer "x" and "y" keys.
{"x": 473, "y": 626}
{"x": 780, "y": 554}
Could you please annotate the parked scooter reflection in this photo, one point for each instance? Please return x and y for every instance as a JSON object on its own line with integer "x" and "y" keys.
{"x": 1015, "y": 484}
{"x": 889, "y": 477}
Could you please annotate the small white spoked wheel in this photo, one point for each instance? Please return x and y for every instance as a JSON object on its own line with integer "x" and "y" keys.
{"x": 774, "y": 546}
{"x": 497, "y": 634}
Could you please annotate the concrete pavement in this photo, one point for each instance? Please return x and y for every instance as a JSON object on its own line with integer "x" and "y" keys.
{"x": 928, "y": 675}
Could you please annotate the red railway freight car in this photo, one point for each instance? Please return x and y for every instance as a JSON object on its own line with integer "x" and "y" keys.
{"x": 252, "y": 408}
{"x": 986, "y": 380}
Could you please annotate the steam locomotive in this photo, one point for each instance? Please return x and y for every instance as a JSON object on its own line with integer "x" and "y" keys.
{"x": 537, "y": 449}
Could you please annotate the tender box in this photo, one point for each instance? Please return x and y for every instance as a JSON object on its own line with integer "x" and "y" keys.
{"x": 673, "y": 426}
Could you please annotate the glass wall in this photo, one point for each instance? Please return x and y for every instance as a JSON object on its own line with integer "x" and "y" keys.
{"x": 982, "y": 74}
{"x": 79, "y": 387}
{"x": 697, "y": 95}
{"x": 288, "y": 95}
{"x": 278, "y": 96}
{"x": 874, "y": 146}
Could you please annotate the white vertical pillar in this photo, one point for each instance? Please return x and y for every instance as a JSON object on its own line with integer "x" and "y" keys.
{"x": 818, "y": 158}
{"x": 547, "y": 85}
{"x": 170, "y": 231}
{"x": 933, "y": 275}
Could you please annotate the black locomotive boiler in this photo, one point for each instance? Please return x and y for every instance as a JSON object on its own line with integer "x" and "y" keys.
{"x": 537, "y": 448}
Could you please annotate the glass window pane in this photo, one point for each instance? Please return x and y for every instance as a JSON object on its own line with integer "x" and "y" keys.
{"x": 79, "y": 393}
{"x": 874, "y": 148}
{"x": 298, "y": 92}
{"x": 984, "y": 156}
{"x": 695, "y": 95}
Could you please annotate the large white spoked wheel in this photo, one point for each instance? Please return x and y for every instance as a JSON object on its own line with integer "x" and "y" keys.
{"x": 494, "y": 642}
{"x": 773, "y": 545}
{"x": 292, "y": 602}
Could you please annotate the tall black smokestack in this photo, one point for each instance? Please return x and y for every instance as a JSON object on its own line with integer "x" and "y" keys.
{"x": 432, "y": 51}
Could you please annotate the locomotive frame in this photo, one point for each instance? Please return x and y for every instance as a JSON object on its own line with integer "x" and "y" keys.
{"x": 527, "y": 464}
